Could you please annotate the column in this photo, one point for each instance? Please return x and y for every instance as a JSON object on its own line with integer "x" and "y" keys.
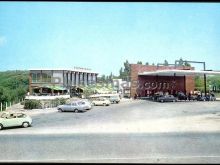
{"x": 85, "y": 79}
{"x": 80, "y": 78}
{"x": 89, "y": 78}
{"x": 73, "y": 79}
{"x": 93, "y": 78}
{"x": 77, "y": 78}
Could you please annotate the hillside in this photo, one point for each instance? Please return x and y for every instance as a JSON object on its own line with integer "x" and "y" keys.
{"x": 13, "y": 85}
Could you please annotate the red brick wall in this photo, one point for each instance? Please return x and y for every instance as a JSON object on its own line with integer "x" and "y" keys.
{"x": 137, "y": 82}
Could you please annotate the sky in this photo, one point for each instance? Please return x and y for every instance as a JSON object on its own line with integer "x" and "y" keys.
{"x": 103, "y": 35}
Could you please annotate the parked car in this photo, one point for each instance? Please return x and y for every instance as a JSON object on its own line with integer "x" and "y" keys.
{"x": 156, "y": 96}
{"x": 75, "y": 106}
{"x": 208, "y": 97}
{"x": 114, "y": 99}
{"x": 192, "y": 97}
{"x": 167, "y": 98}
{"x": 201, "y": 98}
{"x": 13, "y": 119}
{"x": 87, "y": 104}
{"x": 101, "y": 101}
{"x": 181, "y": 96}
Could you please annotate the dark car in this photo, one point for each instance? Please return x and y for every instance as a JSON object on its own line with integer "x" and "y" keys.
{"x": 201, "y": 98}
{"x": 208, "y": 97}
{"x": 167, "y": 98}
{"x": 155, "y": 96}
{"x": 192, "y": 97}
{"x": 181, "y": 96}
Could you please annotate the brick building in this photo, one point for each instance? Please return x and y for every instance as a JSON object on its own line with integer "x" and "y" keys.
{"x": 148, "y": 79}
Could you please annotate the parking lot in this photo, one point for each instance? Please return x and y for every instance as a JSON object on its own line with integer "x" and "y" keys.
{"x": 130, "y": 116}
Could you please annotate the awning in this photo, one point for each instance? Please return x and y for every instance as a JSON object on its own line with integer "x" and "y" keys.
{"x": 53, "y": 87}
{"x": 179, "y": 73}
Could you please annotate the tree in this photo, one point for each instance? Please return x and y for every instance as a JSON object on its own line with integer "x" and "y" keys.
{"x": 166, "y": 63}
{"x": 153, "y": 64}
{"x": 125, "y": 74}
{"x": 127, "y": 67}
{"x": 186, "y": 63}
{"x": 146, "y": 63}
{"x": 110, "y": 77}
{"x": 139, "y": 62}
{"x": 180, "y": 62}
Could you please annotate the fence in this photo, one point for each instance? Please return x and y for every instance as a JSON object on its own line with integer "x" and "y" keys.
{"x": 6, "y": 105}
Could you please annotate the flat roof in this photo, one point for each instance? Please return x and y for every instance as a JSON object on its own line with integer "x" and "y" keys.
{"x": 172, "y": 72}
{"x": 63, "y": 69}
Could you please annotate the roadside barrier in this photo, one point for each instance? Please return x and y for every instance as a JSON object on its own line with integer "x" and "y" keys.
{"x": 6, "y": 105}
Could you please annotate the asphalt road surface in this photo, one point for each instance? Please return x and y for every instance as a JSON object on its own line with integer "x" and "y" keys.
{"x": 106, "y": 148}
{"x": 136, "y": 131}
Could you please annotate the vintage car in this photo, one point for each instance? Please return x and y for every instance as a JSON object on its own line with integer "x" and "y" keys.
{"x": 101, "y": 101}
{"x": 13, "y": 119}
{"x": 166, "y": 98}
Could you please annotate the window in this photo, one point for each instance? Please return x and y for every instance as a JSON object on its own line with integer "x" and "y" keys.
{"x": 36, "y": 77}
{"x": 73, "y": 104}
{"x": 46, "y": 76}
{"x": 21, "y": 115}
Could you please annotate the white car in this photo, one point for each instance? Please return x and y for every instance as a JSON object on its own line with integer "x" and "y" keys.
{"x": 76, "y": 106}
{"x": 12, "y": 119}
{"x": 101, "y": 101}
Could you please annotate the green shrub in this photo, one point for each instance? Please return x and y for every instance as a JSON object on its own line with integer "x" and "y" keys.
{"x": 32, "y": 104}
{"x": 59, "y": 101}
{"x": 62, "y": 101}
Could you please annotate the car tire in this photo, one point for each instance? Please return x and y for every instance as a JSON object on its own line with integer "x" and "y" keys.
{"x": 60, "y": 110}
{"x": 1, "y": 126}
{"x": 76, "y": 110}
{"x": 25, "y": 124}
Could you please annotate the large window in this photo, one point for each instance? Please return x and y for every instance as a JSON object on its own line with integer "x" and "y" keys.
{"x": 36, "y": 77}
{"x": 46, "y": 76}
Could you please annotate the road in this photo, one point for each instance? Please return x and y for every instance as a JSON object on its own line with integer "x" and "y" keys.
{"x": 136, "y": 131}
{"x": 105, "y": 148}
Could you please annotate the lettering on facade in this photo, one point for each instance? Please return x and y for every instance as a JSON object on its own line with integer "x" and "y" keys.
{"x": 159, "y": 85}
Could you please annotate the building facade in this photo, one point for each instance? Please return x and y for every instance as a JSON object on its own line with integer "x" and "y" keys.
{"x": 42, "y": 80}
{"x": 144, "y": 85}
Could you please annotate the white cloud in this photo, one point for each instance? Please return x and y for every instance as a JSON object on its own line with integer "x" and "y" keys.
{"x": 3, "y": 40}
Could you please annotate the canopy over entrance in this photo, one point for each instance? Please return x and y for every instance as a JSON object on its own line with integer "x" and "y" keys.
{"x": 175, "y": 72}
